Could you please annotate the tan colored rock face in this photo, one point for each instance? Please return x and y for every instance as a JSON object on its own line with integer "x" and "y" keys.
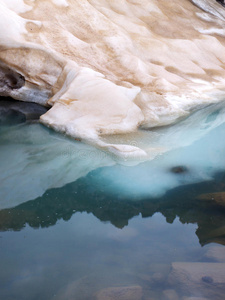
{"x": 109, "y": 67}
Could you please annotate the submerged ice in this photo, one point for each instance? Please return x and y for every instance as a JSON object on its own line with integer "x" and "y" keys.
{"x": 35, "y": 159}
{"x": 191, "y": 151}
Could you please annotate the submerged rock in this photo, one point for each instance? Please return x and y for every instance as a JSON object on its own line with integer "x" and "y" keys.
{"x": 80, "y": 289}
{"x": 11, "y": 117}
{"x": 216, "y": 253}
{"x": 170, "y": 295}
{"x": 218, "y": 198}
{"x": 120, "y": 293}
{"x": 179, "y": 169}
{"x": 198, "y": 279}
{"x": 217, "y": 233}
{"x": 14, "y": 112}
{"x": 195, "y": 298}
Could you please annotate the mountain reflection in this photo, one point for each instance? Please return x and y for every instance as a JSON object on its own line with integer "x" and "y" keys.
{"x": 84, "y": 195}
{"x": 65, "y": 176}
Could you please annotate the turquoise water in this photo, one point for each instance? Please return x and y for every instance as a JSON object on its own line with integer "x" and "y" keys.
{"x": 75, "y": 221}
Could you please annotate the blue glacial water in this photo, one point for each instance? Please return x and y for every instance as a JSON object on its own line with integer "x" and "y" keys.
{"x": 77, "y": 223}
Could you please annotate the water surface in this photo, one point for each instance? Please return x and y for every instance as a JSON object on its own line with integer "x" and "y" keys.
{"x": 75, "y": 221}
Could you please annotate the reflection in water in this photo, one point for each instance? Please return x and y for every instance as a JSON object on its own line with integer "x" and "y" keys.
{"x": 82, "y": 258}
{"x": 84, "y": 196}
{"x": 132, "y": 227}
{"x": 34, "y": 159}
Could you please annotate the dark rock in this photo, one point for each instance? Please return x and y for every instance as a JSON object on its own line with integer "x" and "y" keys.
{"x": 179, "y": 169}
{"x": 218, "y": 198}
{"x": 9, "y": 80}
{"x": 11, "y": 117}
{"x": 221, "y": 2}
{"x": 207, "y": 279}
{"x": 14, "y": 112}
{"x": 220, "y": 231}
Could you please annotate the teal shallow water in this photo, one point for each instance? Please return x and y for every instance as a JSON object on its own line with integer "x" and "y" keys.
{"x": 74, "y": 221}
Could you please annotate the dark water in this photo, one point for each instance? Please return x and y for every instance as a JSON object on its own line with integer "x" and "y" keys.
{"x": 82, "y": 241}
